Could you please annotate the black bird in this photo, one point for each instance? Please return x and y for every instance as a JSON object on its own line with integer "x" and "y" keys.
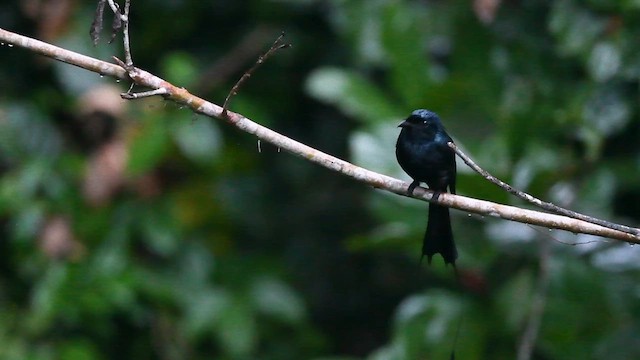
{"x": 422, "y": 152}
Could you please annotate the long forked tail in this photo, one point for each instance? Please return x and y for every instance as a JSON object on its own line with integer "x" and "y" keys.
{"x": 438, "y": 238}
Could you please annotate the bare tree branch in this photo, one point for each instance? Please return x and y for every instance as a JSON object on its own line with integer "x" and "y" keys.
{"x": 542, "y": 204}
{"x": 277, "y": 45}
{"x": 69, "y": 57}
{"x": 131, "y": 96}
{"x": 235, "y": 60}
{"x": 121, "y": 20}
{"x": 127, "y": 43}
{"x": 376, "y": 180}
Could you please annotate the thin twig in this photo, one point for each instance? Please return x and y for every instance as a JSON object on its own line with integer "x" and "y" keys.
{"x": 542, "y": 204}
{"x": 128, "y": 67}
{"x": 182, "y": 96}
{"x": 121, "y": 19}
{"x": 249, "y": 47}
{"x": 131, "y": 96}
{"x": 125, "y": 33}
{"x": 116, "y": 25}
{"x": 277, "y": 45}
{"x": 115, "y": 8}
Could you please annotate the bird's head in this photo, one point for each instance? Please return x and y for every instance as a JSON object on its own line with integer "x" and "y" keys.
{"x": 423, "y": 121}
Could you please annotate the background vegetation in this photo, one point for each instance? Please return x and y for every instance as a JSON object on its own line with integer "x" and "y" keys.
{"x": 139, "y": 230}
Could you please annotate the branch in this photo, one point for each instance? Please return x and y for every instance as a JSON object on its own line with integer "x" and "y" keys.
{"x": 542, "y": 204}
{"x": 69, "y": 57}
{"x": 277, "y": 45}
{"x": 247, "y": 49}
{"x": 127, "y": 44}
{"x": 120, "y": 21}
{"x": 376, "y": 180}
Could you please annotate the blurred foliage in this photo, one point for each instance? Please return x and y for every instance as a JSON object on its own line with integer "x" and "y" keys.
{"x": 140, "y": 230}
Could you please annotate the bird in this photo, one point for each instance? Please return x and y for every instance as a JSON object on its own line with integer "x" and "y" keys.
{"x": 423, "y": 153}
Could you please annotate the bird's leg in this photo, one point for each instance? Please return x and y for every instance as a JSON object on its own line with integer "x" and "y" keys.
{"x": 412, "y": 187}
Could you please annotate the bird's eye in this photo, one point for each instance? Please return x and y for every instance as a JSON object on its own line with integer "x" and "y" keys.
{"x": 425, "y": 122}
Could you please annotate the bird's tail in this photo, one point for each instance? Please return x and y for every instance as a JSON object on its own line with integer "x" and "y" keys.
{"x": 438, "y": 237}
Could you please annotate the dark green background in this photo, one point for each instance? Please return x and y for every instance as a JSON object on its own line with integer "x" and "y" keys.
{"x": 209, "y": 248}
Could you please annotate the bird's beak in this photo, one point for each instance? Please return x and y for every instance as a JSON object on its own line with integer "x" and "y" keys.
{"x": 404, "y": 124}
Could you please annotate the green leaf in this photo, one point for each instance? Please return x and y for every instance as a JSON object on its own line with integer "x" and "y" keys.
{"x": 149, "y": 147}
{"x": 79, "y": 349}
{"x": 27, "y": 132}
{"x": 402, "y": 39}
{"x": 199, "y": 140}
{"x": 352, "y": 93}
{"x": 425, "y": 321}
{"x": 203, "y": 309}
{"x": 274, "y": 297}
{"x": 237, "y": 329}
{"x": 180, "y": 68}
{"x": 576, "y": 28}
{"x": 605, "y": 61}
